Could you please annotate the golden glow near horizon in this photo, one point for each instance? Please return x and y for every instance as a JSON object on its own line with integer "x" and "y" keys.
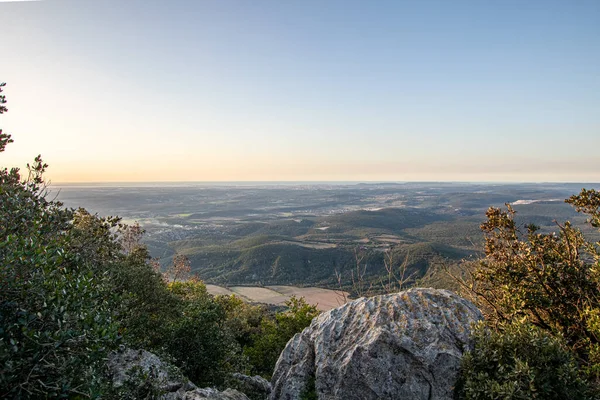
{"x": 108, "y": 91}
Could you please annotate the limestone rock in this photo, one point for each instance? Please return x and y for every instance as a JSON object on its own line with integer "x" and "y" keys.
{"x": 256, "y": 384}
{"x": 406, "y": 345}
{"x": 129, "y": 365}
{"x": 213, "y": 394}
{"x": 144, "y": 370}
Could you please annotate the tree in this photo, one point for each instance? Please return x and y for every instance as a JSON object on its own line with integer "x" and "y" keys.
{"x": 74, "y": 285}
{"x": 56, "y": 322}
{"x": 551, "y": 281}
{"x": 4, "y": 137}
{"x": 180, "y": 269}
{"x": 520, "y": 362}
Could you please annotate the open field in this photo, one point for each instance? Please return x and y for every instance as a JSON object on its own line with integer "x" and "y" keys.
{"x": 219, "y": 290}
{"x": 324, "y": 299}
{"x": 260, "y": 294}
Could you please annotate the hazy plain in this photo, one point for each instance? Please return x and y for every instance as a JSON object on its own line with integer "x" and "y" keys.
{"x": 301, "y": 234}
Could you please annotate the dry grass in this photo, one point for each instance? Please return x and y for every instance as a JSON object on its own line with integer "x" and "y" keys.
{"x": 324, "y": 299}
{"x": 218, "y": 290}
{"x": 259, "y": 294}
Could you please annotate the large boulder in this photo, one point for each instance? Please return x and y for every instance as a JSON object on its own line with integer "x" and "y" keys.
{"x": 398, "y": 346}
{"x": 139, "y": 373}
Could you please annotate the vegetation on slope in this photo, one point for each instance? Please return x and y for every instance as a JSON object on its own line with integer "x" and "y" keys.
{"x": 74, "y": 286}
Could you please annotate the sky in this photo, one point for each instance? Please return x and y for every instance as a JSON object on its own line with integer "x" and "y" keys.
{"x": 327, "y": 90}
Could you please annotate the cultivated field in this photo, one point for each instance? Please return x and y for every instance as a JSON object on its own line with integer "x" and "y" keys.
{"x": 324, "y": 299}
{"x": 218, "y": 290}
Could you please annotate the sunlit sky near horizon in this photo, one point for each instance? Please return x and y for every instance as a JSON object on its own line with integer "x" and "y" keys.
{"x": 132, "y": 90}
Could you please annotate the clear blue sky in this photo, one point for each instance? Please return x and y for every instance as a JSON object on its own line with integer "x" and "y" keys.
{"x": 133, "y": 90}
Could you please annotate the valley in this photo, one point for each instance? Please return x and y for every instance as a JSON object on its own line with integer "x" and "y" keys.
{"x": 315, "y": 235}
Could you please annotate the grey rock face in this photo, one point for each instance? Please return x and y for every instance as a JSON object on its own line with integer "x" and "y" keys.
{"x": 399, "y": 346}
{"x": 142, "y": 368}
{"x": 127, "y": 365}
{"x": 213, "y": 394}
{"x": 254, "y": 383}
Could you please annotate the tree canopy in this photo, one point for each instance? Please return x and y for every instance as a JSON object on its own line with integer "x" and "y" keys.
{"x": 549, "y": 285}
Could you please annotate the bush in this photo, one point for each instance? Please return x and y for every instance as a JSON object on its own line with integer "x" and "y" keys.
{"x": 550, "y": 280}
{"x": 519, "y": 362}
{"x": 56, "y": 320}
{"x": 197, "y": 339}
{"x": 274, "y": 334}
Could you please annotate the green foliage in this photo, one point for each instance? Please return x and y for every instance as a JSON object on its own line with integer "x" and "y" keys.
{"x": 387, "y": 220}
{"x": 179, "y": 321}
{"x": 274, "y": 335}
{"x": 520, "y": 361}
{"x": 551, "y": 279}
{"x": 243, "y": 320}
{"x": 287, "y": 251}
{"x": 74, "y": 285}
{"x": 4, "y": 137}
{"x": 56, "y": 319}
{"x": 463, "y": 233}
{"x": 197, "y": 340}
{"x": 548, "y": 280}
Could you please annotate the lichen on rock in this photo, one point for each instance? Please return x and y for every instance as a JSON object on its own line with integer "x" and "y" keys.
{"x": 137, "y": 373}
{"x": 406, "y": 345}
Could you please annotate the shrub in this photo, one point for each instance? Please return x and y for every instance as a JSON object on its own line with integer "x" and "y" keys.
{"x": 197, "y": 339}
{"x": 274, "y": 334}
{"x": 56, "y": 319}
{"x": 550, "y": 280}
{"x": 520, "y": 361}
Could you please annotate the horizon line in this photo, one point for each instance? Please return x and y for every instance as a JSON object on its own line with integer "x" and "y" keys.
{"x": 316, "y": 182}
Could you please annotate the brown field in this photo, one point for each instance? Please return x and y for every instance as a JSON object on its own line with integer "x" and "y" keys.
{"x": 218, "y": 290}
{"x": 259, "y": 294}
{"x": 324, "y": 299}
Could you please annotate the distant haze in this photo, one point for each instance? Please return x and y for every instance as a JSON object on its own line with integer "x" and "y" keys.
{"x": 137, "y": 90}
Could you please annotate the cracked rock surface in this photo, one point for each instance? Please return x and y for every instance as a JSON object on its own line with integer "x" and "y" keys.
{"x": 406, "y": 345}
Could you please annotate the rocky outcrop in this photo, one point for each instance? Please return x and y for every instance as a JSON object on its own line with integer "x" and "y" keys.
{"x": 141, "y": 372}
{"x": 399, "y": 346}
{"x": 254, "y": 384}
{"x": 213, "y": 394}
